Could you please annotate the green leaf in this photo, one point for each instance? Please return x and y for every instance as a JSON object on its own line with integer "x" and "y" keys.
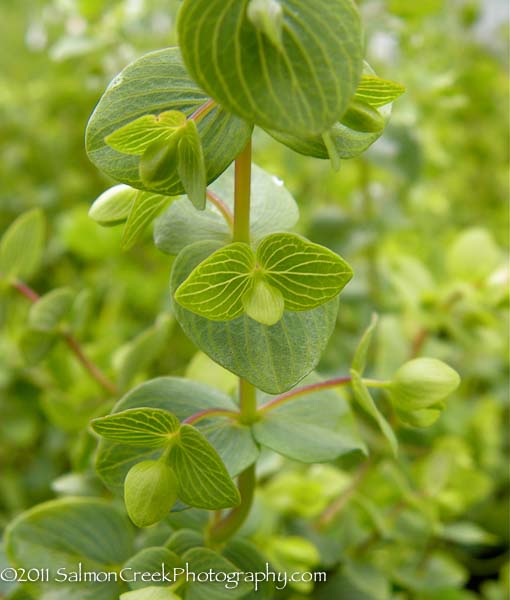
{"x": 300, "y": 86}
{"x": 144, "y": 209}
{"x": 201, "y": 560}
{"x": 215, "y": 289}
{"x": 293, "y": 271}
{"x": 249, "y": 559}
{"x": 150, "y": 491}
{"x": 47, "y": 313}
{"x": 154, "y": 84}
{"x": 345, "y": 143}
{"x": 61, "y": 533}
{"x": 265, "y": 356}
{"x": 365, "y": 400}
{"x": 316, "y": 427}
{"x": 204, "y": 481}
{"x": 272, "y": 209}
{"x": 150, "y": 593}
{"x": 149, "y": 427}
{"x": 184, "y": 539}
{"x": 158, "y": 165}
{"x": 183, "y": 398}
{"x": 112, "y": 206}
{"x": 22, "y": 245}
{"x": 136, "y": 355}
{"x": 467, "y": 533}
{"x": 35, "y": 345}
{"x": 191, "y": 165}
{"x": 377, "y": 92}
{"x": 306, "y": 274}
{"x": 360, "y": 116}
{"x": 136, "y": 136}
{"x": 360, "y": 355}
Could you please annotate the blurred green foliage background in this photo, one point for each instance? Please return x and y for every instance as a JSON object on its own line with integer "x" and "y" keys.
{"x": 423, "y": 219}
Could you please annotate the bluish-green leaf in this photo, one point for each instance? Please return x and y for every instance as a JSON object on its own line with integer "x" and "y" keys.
{"x": 151, "y": 85}
{"x": 47, "y": 313}
{"x": 249, "y": 559}
{"x": 113, "y": 205}
{"x": 148, "y": 427}
{"x": 62, "y": 533}
{"x": 22, "y": 245}
{"x": 301, "y": 86}
{"x": 316, "y": 427}
{"x": 273, "y": 358}
{"x": 272, "y": 209}
{"x": 202, "y": 560}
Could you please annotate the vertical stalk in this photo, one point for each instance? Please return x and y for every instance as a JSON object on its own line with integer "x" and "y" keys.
{"x": 222, "y": 529}
{"x": 242, "y": 195}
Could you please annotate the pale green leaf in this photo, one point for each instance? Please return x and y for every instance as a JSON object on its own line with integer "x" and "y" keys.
{"x": 112, "y": 206}
{"x": 306, "y": 274}
{"x": 144, "y": 209}
{"x": 183, "y": 398}
{"x": 204, "y": 481}
{"x": 264, "y": 303}
{"x": 272, "y": 209}
{"x": 135, "y": 137}
{"x": 377, "y": 92}
{"x": 22, "y": 245}
{"x": 267, "y": 17}
{"x": 216, "y": 287}
{"x": 273, "y": 358}
{"x": 204, "y": 559}
{"x": 191, "y": 165}
{"x": 147, "y": 427}
{"x": 62, "y": 533}
{"x": 47, "y": 313}
{"x": 154, "y": 84}
{"x": 360, "y": 116}
{"x": 365, "y": 400}
{"x": 300, "y": 86}
{"x": 360, "y": 355}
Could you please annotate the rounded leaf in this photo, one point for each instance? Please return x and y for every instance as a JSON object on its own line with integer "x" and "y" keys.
{"x": 293, "y": 70}
{"x": 150, "y": 491}
{"x": 152, "y": 85}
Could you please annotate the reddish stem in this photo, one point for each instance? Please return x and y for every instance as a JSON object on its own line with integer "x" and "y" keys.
{"x": 203, "y": 110}
{"x": 210, "y": 412}
{"x": 222, "y": 207}
{"x": 72, "y": 342}
{"x": 307, "y": 389}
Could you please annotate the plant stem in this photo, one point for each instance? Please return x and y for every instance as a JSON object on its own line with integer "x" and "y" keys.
{"x": 222, "y": 207}
{"x": 247, "y": 401}
{"x": 203, "y": 110}
{"x": 223, "y": 528}
{"x": 210, "y": 412}
{"x": 242, "y": 196}
{"x": 72, "y": 342}
{"x": 226, "y": 527}
{"x": 307, "y": 389}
